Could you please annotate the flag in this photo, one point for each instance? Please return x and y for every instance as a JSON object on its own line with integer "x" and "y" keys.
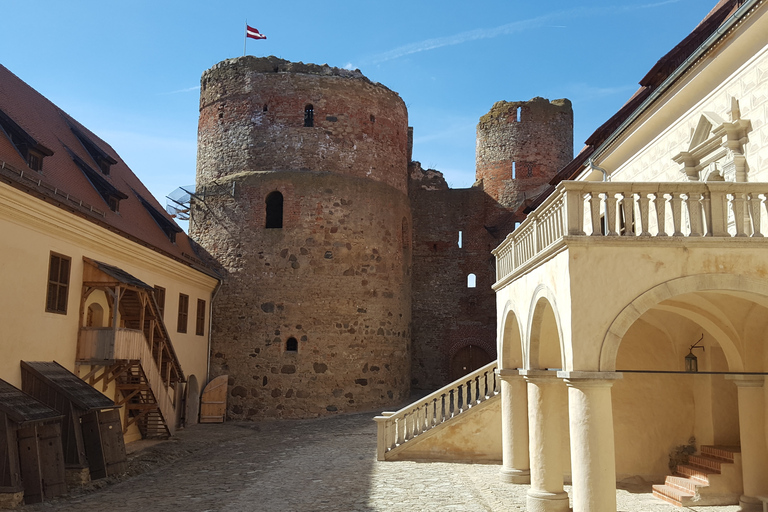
{"x": 253, "y": 33}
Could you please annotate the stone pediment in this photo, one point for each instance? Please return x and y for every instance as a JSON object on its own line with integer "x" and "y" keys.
{"x": 716, "y": 149}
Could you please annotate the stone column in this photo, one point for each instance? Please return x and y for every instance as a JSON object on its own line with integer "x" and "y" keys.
{"x": 545, "y": 447}
{"x": 593, "y": 458}
{"x": 514, "y": 428}
{"x": 754, "y": 452}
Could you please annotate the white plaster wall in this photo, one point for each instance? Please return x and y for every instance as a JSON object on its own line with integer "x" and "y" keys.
{"x": 739, "y": 67}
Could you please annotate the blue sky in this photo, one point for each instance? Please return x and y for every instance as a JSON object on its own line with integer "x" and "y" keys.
{"x": 130, "y": 71}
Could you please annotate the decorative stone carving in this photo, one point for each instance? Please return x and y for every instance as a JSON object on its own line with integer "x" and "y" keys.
{"x": 716, "y": 150}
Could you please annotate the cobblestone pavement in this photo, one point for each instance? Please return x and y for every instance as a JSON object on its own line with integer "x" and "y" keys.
{"x": 326, "y": 464}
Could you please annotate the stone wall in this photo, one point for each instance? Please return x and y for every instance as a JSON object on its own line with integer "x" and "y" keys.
{"x": 537, "y": 145}
{"x": 335, "y": 278}
{"x": 447, "y": 314}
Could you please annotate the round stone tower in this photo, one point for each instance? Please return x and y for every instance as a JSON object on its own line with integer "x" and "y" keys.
{"x": 520, "y": 146}
{"x": 302, "y": 199}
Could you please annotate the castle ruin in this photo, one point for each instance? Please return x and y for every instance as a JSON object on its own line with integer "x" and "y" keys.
{"x": 351, "y": 274}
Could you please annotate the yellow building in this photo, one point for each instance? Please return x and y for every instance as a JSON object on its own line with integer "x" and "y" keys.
{"x": 94, "y": 274}
{"x": 633, "y": 300}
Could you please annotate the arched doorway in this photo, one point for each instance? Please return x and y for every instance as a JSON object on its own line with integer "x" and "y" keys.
{"x": 468, "y": 359}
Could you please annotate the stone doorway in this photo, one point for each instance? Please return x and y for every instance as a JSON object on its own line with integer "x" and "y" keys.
{"x": 468, "y": 359}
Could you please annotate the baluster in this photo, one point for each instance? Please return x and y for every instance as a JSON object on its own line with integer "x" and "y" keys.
{"x": 594, "y": 210}
{"x": 628, "y": 207}
{"x": 739, "y": 215}
{"x": 431, "y": 407}
{"x": 643, "y": 201}
{"x": 400, "y": 434}
{"x": 694, "y": 214}
{"x": 660, "y": 203}
{"x": 755, "y": 214}
{"x": 451, "y": 403}
{"x": 391, "y": 434}
{"x": 485, "y": 384}
{"x": 443, "y": 410}
{"x": 610, "y": 214}
{"x": 676, "y": 206}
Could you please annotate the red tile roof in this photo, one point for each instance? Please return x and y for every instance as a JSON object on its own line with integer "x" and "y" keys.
{"x": 651, "y": 81}
{"x": 62, "y": 181}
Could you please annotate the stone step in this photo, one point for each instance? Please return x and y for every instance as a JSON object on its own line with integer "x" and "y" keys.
{"x": 725, "y": 453}
{"x": 694, "y": 472}
{"x": 672, "y": 495}
{"x": 712, "y": 464}
{"x": 684, "y": 484}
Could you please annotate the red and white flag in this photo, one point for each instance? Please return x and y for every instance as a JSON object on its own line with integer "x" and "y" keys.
{"x": 253, "y": 33}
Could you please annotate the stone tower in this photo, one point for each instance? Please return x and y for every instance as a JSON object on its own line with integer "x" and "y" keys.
{"x": 520, "y": 147}
{"x": 302, "y": 198}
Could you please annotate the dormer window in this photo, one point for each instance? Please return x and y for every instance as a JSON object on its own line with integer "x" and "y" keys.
{"x": 108, "y": 192}
{"x": 102, "y": 159}
{"x": 32, "y": 151}
{"x": 168, "y": 226}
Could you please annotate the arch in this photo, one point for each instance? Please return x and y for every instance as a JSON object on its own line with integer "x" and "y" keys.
{"x": 309, "y": 116}
{"x": 95, "y": 315}
{"x": 726, "y": 283}
{"x": 544, "y": 325}
{"x": 274, "y": 202}
{"x": 291, "y": 345}
{"x": 192, "y": 410}
{"x": 511, "y": 352}
{"x": 471, "y": 280}
{"x": 467, "y": 359}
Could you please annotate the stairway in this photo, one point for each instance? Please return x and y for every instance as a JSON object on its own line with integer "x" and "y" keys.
{"x": 140, "y": 403}
{"x": 470, "y": 392}
{"x": 712, "y": 477}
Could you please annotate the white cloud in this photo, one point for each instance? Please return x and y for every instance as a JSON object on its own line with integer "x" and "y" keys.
{"x": 180, "y": 91}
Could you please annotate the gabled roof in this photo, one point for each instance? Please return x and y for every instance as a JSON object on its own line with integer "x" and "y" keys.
{"x": 659, "y": 73}
{"x": 64, "y": 182}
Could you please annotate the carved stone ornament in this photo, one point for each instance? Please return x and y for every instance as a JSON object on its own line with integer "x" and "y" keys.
{"x": 716, "y": 150}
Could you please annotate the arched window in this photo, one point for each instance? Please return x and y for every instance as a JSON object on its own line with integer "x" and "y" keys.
{"x": 292, "y": 345}
{"x": 309, "y": 116}
{"x": 471, "y": 281}
{"x": 95, "y": 316}
{"x": 274, "y": 203}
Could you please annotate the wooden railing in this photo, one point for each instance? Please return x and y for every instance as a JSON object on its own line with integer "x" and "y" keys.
{"x": 396, "y": 428}
{"x": 100, "y": 345}
{"x": 106, "y": 344}
{"x": 643, "y": 210}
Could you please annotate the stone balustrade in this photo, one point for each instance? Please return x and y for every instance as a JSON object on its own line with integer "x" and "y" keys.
{"x": 396, "y": 428}
{"x": 634, "y": 210}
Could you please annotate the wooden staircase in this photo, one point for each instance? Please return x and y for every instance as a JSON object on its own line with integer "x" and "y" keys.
{"x": 712, "y": 477}
{"x": 137, "y": 355}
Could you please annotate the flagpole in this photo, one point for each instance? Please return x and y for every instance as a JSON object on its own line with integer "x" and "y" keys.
{"x": 245, "y": 36}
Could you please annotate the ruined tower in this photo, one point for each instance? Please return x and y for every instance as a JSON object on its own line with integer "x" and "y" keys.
{"x": 520, "y": 147}
{"x": 302, "y": 200}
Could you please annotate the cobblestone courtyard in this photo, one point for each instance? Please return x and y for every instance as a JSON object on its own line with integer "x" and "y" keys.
{"x": 311, "y": 465}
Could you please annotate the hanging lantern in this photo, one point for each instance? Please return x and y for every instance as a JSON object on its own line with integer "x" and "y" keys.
{"x": 691, "y": 361}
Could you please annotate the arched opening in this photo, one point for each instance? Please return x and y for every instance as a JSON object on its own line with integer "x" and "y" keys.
{"x": 292, "y": 345}
{"x": 471, "y": 281}
{"x": 545, "y": 341}
{"x": 192, "y": 411}
{"x": 511, "y": 344}
{"x": 688, "y": 412}
{"x": 274, "y": 202}
{"x": 309, "y": 116}
{"x": 468, "y": 359}
{"x": 95, "y": 315}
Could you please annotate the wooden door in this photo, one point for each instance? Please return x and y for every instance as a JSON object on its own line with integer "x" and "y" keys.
{"x": 467, "y": 360}
{"x": 213, "y": 405}
{"x": 51, "y": 460}
{"x": 104, "y": 445}
{"x": 192, "y": 402}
